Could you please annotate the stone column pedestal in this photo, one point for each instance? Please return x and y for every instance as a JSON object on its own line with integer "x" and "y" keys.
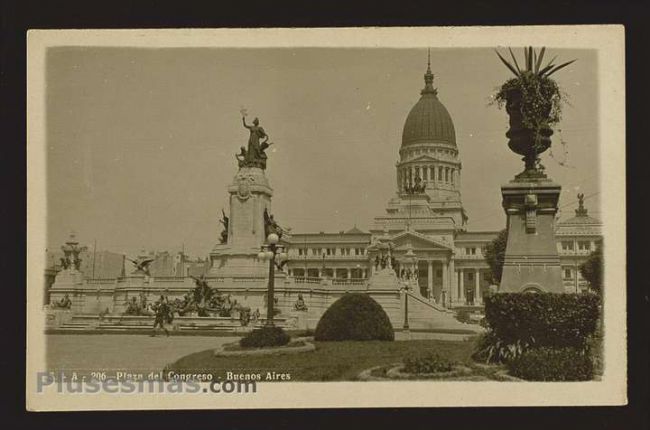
{"x": 531, "y": 260}
{"x": 250, "y": 195}
{"x": 69, "y": 282}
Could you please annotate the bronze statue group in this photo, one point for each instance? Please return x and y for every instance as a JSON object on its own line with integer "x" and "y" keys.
{"x": 63, "y": 303}
{"x": 202, "y": 301}
{"x": 258, "y": 142}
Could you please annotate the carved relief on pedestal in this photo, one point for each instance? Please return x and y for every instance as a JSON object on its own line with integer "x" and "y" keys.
{"x": 243, "y": 188}
{"x": 530, "y": 205}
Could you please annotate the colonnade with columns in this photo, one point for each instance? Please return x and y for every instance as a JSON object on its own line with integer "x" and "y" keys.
{"x": 330, "y": 272}
{"x": 431, "y": 173}
{"x": 454, "y": 288}
{"x": 462, "y": 288}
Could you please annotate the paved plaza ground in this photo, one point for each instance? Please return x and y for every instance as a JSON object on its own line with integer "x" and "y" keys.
{"x": 133, "y": 353}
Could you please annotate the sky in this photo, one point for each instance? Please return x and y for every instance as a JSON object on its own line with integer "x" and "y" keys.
{"x": 141, "y": 141}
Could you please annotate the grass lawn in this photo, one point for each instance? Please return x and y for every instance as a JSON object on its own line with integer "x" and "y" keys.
{"x": 332, "y": 361}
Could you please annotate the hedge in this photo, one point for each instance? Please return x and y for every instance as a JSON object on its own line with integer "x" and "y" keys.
{"x": 543, "y": 319}
{"x": 552, "y": 364}
{"x": 355, "y": 316}
{"x": 265, "y": 337}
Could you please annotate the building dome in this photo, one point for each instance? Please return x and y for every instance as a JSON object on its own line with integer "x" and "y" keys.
{"x": 428, "y": 121}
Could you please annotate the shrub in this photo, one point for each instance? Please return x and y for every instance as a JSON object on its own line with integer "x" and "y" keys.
{"x": 552, "y": 364}
{"x": 354, "y": 317}
{"x": 495, "y": 253}
{"x": 592, "y": 270}
{"x": 429, "y": 363}
{"x": 492, "y": 350}
{"x": 264, "y": 337}
{"x": 544, "y": 319}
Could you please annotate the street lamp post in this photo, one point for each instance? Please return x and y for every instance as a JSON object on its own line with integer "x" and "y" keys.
{"x": 406, "y": 290}
{"x": 277, "y": 256}
{"x": 410, "y": 260}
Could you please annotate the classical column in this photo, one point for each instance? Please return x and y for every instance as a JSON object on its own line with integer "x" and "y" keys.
{"x": 452, "y": 278}
{"x": 349, "y": 274}
{"x": 445, "y": 276}
{"x": 430, "y": 278}
{"x": 453, "y": 293}
{"x": 477, "y": 281}
{"x": 461, "y": 297}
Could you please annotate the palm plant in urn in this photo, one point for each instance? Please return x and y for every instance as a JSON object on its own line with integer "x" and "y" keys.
{"x": 533, "y": 102}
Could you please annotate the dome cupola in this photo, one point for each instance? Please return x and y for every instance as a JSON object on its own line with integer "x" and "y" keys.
{"x": 428, "y": 121}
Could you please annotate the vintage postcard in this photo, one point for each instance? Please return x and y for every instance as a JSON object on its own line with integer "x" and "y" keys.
{"x": 302, "y": 218}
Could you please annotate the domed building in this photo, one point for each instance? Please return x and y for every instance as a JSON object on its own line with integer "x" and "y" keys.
{"x": 422, "y": 229}
{"x": 577, "y": 237}
{"x": 426, "y": 213}
{"x": 427, "y": 172}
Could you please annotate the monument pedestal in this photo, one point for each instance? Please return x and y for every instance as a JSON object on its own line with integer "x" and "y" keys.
{"x": 250, "y": 195}
{"x": 531, "y": 260}
{"x": 68, "y": 282}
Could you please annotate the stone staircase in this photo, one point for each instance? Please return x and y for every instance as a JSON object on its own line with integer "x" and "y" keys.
{"x": 427, "y": 315}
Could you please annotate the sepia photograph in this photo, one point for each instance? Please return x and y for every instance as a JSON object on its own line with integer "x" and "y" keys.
{"x": 326, "y": 218}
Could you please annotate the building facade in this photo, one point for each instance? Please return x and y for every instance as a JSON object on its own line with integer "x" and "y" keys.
{"x": 451, "y": 268}
{"x": 577, "y": 238}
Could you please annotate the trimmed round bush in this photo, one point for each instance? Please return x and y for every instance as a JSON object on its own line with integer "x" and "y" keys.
{"x": 552, "y": 364}
{"x": 265, "y": 337}
{"x": 354, "y": 316}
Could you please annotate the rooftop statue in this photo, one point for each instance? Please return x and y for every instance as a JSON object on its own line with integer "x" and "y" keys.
{"x": 71, "y": 251}
{"x": 141, "y": 265}
{"x": 418, "y": 187}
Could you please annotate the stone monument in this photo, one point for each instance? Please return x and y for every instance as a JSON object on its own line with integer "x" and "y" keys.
{"x": 69, "y": 280}
{"x": 531, "y": 262}
{"x": 250, "y": 199}
{"x": 533, "y": 101}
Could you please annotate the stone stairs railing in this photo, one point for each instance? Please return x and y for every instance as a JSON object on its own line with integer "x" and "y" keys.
{"x": 125, "y": 323}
